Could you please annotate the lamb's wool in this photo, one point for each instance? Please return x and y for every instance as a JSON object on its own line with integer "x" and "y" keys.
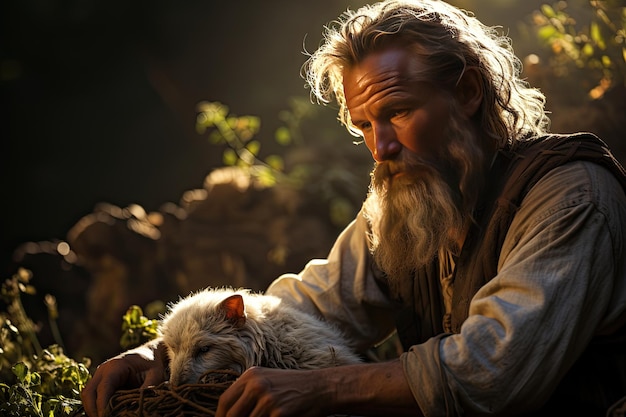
{"x": 237, "y": 329}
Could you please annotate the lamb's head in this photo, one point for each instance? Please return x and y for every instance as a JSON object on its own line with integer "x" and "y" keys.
{"x": 204, "y": 332}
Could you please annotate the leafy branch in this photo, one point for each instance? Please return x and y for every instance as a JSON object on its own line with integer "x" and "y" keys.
{"x": 597, "y": 42}
{"x": 237, "y": 133}
{"x": 333, "y": 185}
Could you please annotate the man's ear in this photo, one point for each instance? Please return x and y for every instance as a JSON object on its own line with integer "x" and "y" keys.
{"x": 234, "y": 309}
{"x": 469, "y": 91}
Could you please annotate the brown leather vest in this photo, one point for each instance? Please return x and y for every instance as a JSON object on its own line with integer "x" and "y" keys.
{"x": 515, "y": 171}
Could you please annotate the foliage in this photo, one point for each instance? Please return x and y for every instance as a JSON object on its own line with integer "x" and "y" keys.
{"x": 596, "y": 42}
{"x": 334, "y": 185}
{"x": 137, "y": 329}
{"x": 34, "y": 381}
{"x": 17, "y": 335}
{"x": 238, "y": 134}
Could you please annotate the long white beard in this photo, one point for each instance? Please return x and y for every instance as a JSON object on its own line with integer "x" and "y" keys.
{"x": 422, "y": 212}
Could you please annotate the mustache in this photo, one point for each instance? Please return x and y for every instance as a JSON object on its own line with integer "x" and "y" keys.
{"x": 407, "y": 163}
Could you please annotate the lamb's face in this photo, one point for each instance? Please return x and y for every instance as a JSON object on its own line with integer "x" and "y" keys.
{"x": 200, "y": 339}
{"x": 191, "y": 357}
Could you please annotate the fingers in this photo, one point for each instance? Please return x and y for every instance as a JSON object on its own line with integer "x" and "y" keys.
{"x": 105, "y": 391}
{"x": 265, "y": 392}
{"x": 234, "y": 401}
{"x": 108, "y": 378}
{"x": 252, "y": 395}
{"x": 152, "y": 377}
{"x": 88, "y": 396}
{"x": 141, "y": 366}
{"x": 227, "y": 399}
{"x": 98, "y": 391}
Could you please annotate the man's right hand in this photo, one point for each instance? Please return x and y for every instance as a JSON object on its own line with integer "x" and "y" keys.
{"x": 140, "y": 367}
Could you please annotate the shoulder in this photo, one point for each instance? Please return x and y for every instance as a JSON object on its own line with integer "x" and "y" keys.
{"x": 576, "y": 183}
{"x": 579, "y": 194}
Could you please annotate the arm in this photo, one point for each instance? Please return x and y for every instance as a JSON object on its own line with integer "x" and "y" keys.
{"x": 342, "y": 290}
{"x": 140, "y": 367}
{"x": 560, "y": 282}
{"x": 366, "y": 390}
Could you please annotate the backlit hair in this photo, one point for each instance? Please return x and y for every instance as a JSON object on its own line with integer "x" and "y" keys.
{"x": 447, "y": 40}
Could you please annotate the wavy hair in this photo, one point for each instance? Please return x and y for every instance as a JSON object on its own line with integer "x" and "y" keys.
{"x": 448, "y": 40}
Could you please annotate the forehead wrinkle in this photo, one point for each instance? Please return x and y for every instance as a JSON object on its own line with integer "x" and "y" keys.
{"x": 371, "y": 90}
{"x": 392, "y": 64}
{"x": 377, "y": 76}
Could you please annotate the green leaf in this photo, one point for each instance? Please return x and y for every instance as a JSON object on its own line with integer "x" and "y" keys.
{"x": 254, "y": 147}
{"x": 276, "y": 162}
{"x": 282, "y": 136}
{"x": 215, "y": 137}
{"x": 229, "y": 157}
{"x": 202, "y": 123}
{"x": 587, "y": 50}
{"x": 135, "y": 314}
{"x": 547, "y": 32}
{"x": 253, "y": 124}
{"x": 232, "y": 121}
{"x": 20, "y": 370}
{"x": 213, "y": 111}
{"x": 265, "y": 176}
{"x": 547, "y": 10}
{"x": 34, "y": 378}
{"x": 596, "y": 35}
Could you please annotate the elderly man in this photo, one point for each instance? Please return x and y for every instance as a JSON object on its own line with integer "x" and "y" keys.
{"x": 495, "y": 250}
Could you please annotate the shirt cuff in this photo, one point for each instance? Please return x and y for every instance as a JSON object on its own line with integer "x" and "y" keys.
{"x": 427, "y": 379}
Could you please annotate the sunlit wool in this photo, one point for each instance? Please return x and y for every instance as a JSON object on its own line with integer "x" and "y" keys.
{"x": 218, "y": 329}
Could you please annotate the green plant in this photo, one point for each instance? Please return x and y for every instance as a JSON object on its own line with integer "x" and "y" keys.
{"x": 137, "y": 328}
{"x": 337, "y": 185}
{"x": 34, "y": 382}
{"x": 238, "y": 134}
{"x": 590, "y": 35}
{"x": 17, "y": 326}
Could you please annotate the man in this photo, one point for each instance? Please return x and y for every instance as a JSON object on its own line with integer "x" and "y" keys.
{"x": 498, "y": 252}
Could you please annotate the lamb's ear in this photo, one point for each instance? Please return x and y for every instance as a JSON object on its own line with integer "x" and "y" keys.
{"x": 233, "y": 307}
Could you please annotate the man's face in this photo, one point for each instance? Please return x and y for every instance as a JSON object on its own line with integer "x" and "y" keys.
{"x": 394, "y": 112}
{"x": 426, "y": 156}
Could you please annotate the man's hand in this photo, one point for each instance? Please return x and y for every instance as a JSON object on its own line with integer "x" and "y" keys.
{"x": 140, "y": 367}
{"x": 274, "y": 392}
{"x": 365, "y": 389}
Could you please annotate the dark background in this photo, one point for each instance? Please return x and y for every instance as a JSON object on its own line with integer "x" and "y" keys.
{"x": 99, "y": 97}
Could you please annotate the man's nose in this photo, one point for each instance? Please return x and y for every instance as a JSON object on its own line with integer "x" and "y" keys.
{"x": 386, "y": 145}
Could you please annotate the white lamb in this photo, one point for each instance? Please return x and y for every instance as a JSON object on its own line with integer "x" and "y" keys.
{"x": 217, "y": 329}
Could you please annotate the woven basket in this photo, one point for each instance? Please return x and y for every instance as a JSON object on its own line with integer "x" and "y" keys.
{"x": 163, "y": 400}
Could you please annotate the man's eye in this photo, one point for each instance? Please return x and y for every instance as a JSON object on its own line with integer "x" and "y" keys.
{"x": 364, "y": 126}
{"x": 400, "y": 113}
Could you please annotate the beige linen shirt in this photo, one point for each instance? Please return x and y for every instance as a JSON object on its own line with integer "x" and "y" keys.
{"x": 561, "y": 280}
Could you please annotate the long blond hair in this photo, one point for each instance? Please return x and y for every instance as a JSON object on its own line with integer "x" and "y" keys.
{"x": 448, "y": 40}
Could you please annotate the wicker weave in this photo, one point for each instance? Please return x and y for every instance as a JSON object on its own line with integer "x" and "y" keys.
{"x": 163, "y": 400}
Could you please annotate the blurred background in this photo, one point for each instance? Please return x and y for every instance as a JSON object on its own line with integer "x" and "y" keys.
{"x": 100, "y": 104}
